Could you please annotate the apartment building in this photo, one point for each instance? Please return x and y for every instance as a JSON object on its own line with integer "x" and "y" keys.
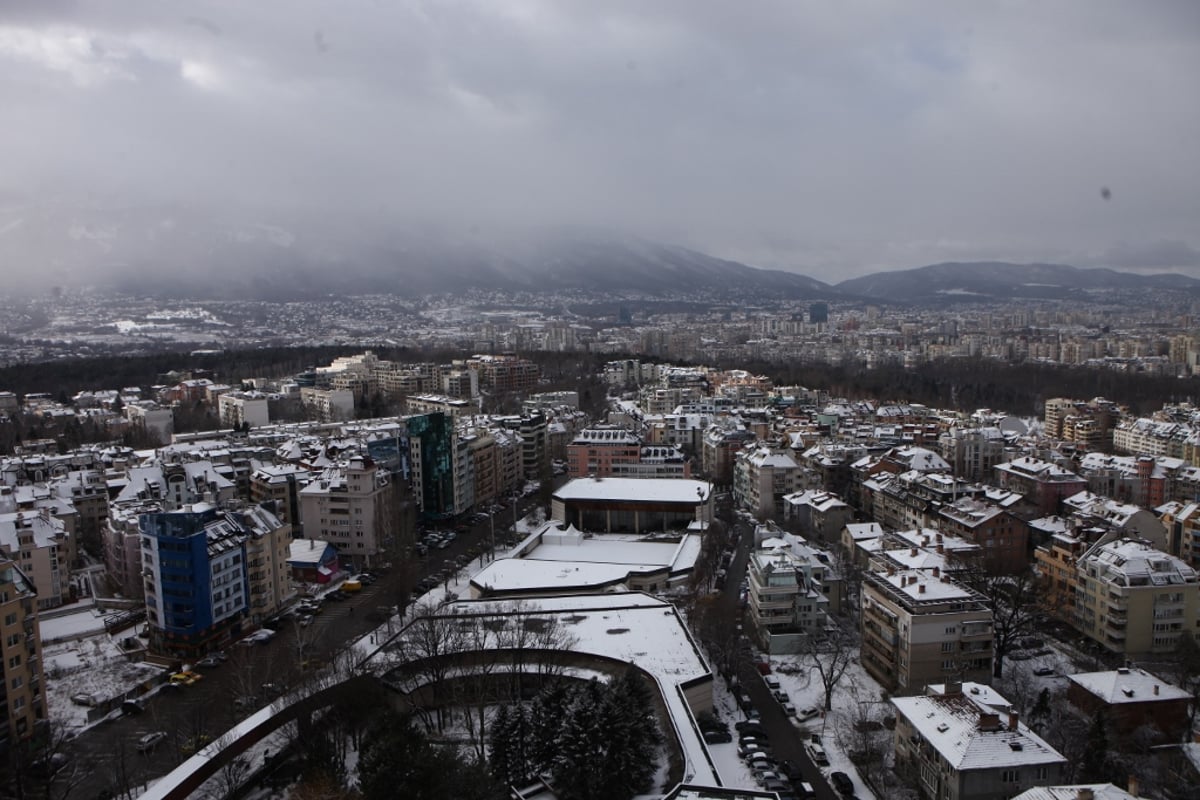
{"x": 1043, "y": 484}
{"x": 194, "y": 579}
{"x": 762, "y": 477}
{"x": 1003, "y": 537}
{"x": 1057, "y": 571}
{"x": 972, "y": 452}
{"x": 505, "y": 373}
{"x": 920, "y": 628}
{"x": 963, "y": 741}
{"x": 22, "y": 683}
{"x": 38, "y": 544}
{"x": 243, "y": 408}
{"x": 453, "y": 407}
{"x": 280, "y": 485}
{"x": 596, "y": 451}
{"x": 1134, "y": 599}
{"x": 268, "y": 543}
{"x": 817, "y": 513}
{"x": 353, "y": 507}
{"x": 787, "y": 599}
{"x": 327, "y": 405}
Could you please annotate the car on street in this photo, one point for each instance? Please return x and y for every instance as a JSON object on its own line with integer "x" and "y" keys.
{"x": 148, "y": 741}
{"x": 817, "y": 753}
{"x": 261, "y": 636}
{"x": 131, "y": 707}
{"x": 209, "y": 661}
{"x": 185, "y": 678}
{"x": 842, "y": 783}
{"x": 717, "y": 737}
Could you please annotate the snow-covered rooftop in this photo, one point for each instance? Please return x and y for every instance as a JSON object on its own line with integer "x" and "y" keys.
{"x": 1128, "y": 685}
{"x": 669, "y": 490}
{"x": 960, "y": 726}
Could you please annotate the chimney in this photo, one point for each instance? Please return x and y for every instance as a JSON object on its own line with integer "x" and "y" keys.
{"x": 989, "y": 721}
{"x": 937, "y": 572}
{"x": 1133, "y": 787}
{"x": 913, "y": 552}
{"x": 941, "y": 548}
{"x": 922, "y": 589}
{"x": 1156, "y": 689}
{"x": 1085, "y": 793}
{"x": 1013, "y": 719}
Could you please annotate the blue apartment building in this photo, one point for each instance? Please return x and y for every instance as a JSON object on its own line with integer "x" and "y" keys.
{"x": 194, "y": 572}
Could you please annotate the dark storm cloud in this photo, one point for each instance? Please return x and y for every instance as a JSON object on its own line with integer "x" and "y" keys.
{"x": 830, "y": 140}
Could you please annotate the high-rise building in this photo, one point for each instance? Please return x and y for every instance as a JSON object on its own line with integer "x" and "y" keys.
{"x": 23, "y": 688}
{"x": 195, "y": 579}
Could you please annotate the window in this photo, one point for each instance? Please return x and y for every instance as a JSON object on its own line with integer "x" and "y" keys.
{"x": 11, "y": 619}
{"x": 951, "y": 630}
{"x": 947, "y": 647}
{"x": 947, "y": 665}
{"x": 1010, "y": 776}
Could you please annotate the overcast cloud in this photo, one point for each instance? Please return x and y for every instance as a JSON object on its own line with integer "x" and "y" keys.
{"x": 827, "y": 138}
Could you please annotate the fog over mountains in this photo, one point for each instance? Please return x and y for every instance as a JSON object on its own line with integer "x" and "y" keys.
{"x": 180, "y": 253}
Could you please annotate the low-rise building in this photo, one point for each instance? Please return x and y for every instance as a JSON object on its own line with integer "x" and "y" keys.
{"x": 1133, "y": 699}
{"x": 963, "y": 741}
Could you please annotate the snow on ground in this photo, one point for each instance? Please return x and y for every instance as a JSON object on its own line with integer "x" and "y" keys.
{"x": 855, "y": 688}
{"x": 94, "y": 665}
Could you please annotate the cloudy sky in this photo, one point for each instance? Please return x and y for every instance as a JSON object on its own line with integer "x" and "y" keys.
{"x": 832, "y": 139}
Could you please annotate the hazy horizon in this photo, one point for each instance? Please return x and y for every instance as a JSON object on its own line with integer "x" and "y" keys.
{"x": 829, "y": 141}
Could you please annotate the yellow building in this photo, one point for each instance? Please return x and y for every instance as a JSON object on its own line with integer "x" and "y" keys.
{"x": 21, "y": 649}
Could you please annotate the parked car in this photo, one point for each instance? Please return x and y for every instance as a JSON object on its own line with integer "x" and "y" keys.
{"x": 148, "y": 741}
{"x": 85, "y": 699}
{"x": 131, "y": 707}
{"x": 245, "y": 701}
{"x": 1043, "y": 671}
{"x": 772, "y": 682}
{"x": 781, "y": 696}
{"x": 351, "y": 586}
{"x": 842, "y": 783}
{"x": 817, "y": 753}
{"x": 808, "y": 713}
{"x": 717, "y": 737}
{"x": 209, "y": 661}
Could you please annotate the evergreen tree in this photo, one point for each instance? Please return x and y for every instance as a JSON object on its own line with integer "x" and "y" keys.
{"x": 580, "y": 767}
{"x": 545, "y": 722}
{"x": 633, "y": 732}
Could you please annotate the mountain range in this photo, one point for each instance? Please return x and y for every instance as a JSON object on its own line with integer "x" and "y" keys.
{"x": 181, "y": 253}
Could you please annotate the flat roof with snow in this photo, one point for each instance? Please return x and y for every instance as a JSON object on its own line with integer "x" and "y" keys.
{"x": 643, "y": 490}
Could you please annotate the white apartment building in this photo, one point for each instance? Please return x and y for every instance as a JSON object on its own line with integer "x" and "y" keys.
{"x": 351, "y": 507}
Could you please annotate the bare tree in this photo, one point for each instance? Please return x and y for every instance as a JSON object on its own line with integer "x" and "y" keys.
{"x": 1016, "y": 602}
{"x": 830, "y": 656}
{"x": 862, "y": 735}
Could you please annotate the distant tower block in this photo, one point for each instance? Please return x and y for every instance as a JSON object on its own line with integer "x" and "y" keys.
{"x": 818, "y": 312}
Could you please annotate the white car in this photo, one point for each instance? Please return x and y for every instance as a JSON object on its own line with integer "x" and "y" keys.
{"x": 817, "y": 753}
{"x": 148, "y": 741}
{"x": 261, "y": 636}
